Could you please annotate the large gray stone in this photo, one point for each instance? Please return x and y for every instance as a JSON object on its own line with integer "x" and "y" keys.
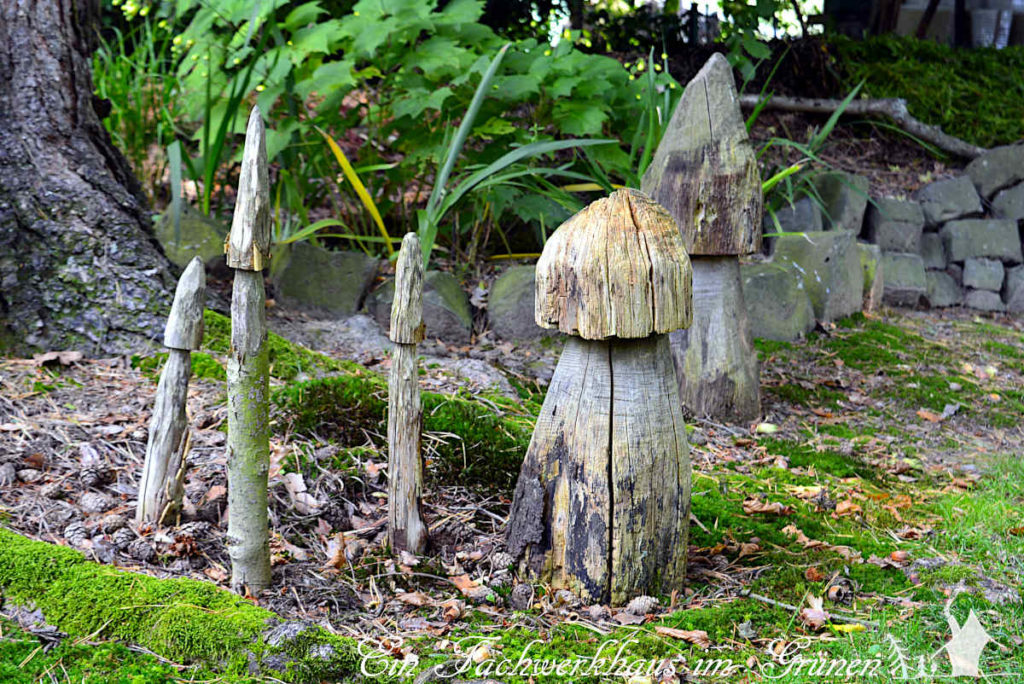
{"x": 200, "y": 236}
{"x": 997, "y": 168}
{"x": 510, "y": 305}
{"x": 446, "y": 309}
{"x": 905, "y": 281}
{"x": 983, "y": 274}
{"x": 874, "y": 276}
{"x": 993, "y": 238}
{"x": 778, "y": 307}
{"x": 803, "y": 216}
{"x": 895, "y": 225}
{"x": 984, "y": 300}
{"x": 1013, "y": 289}
{"x": 942, "y": 290}
{"x": 320, "y": 280}
{"x": 844, "y": 197}
{"x": 1009, "y": 203}
{"x": 932, "y": 251}
{"x": 949, "y": 199}
{"x": 829, "y": 263}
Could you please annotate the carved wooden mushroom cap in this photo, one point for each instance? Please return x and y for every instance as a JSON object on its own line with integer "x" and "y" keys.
{"x": 184, "y": 329}
{"x": 705, "y": 170}
{"x": 248, "y": 243}
{"x": 616, "y": 269}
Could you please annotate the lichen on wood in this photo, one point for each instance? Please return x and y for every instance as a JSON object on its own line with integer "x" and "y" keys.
{"x": 406, "y": 529}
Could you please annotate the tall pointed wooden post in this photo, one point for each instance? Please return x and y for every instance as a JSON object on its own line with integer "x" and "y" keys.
{"x": 163, "y": 474}
{"x": 705, "y": 173}
{"x": 406, "y": 529}
{"x": 248, "y": 250}
{"x": 603, "y": 498}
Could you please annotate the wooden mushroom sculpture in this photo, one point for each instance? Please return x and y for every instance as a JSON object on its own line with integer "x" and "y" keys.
{"x": 705, "y": 174}
{"x": 603, "y": 498}
{"x": 162, "y": 484}
{"x": 248, "y": 252}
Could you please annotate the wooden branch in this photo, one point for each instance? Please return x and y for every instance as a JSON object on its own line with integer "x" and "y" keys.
{"x": 162, "y": 483}
{"x": 248, "y": 538}
{"x": 406, "y": 529}
{"x": 894, "y": 109}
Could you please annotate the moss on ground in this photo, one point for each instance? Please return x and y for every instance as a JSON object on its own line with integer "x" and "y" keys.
{"x": 975, "y": 94}
{"x": 183, "y": 620}
{"x": 468, "y": 440}
{"x": 203, "y": 366}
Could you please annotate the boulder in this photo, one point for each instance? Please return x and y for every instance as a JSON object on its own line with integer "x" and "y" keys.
{"x": 1013, "y": 289}
{"x": 510, "y": 305}
{"x": 1009, "y": 203}
{"x": 983, "y": 274}
{"x": 993, "y": 238}
{"x": 446, "y": 310}
{"x": 200, "y": 236}
{"x": 942, "y": 290}
{"x": 895, "y": 225}
{"x": 319, "y": 280}
{"x": 778, "y": 307}
{"x": 844, "y": 198}
{"x": 932, "y": 251}
{"x": 874, "y": 277}
{"x": 803, "y": 216}
{"x": 905, "y": 282}
{"x": 984, "y": 300}
{"x": 996, "y": 169}
{"x": 949, "y": 199}
{"x": 829, "y": 263}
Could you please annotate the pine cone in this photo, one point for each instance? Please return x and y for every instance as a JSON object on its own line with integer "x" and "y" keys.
{"x": 93, "y": 475}
{"x": 52, "y": 490}
{"x": 93, "y": 502}
{"x": 521, "y": 597}
{"x": 599, "y": 613}
{"x": 642, "y": 605}
{"x": 501, "y": 560}
{"x": 76, "y": 534}
{"x": 123, "y": 537}
{"x": 113, "y": 522}
{"x": 565, "y": 598}
{"x": 8, "y": 474}
{"x": 140, "y": 549}
{"x": 198, "y": 529}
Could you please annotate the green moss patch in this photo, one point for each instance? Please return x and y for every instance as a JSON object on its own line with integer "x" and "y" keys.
{"x": 186, "y": 621}
{"x": 468, "y": 441}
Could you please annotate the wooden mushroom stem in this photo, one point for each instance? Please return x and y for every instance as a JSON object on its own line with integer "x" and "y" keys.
{"x": 602, "y": 502}
{"x": 715, "y": 358}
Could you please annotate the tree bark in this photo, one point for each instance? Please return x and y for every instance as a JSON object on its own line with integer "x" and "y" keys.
{"x": 79, "y": 267}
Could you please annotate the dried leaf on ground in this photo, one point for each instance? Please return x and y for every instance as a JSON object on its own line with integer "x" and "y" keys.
{"x": 814, "y": 615}
{"x": 751, "y": 506}
{"x": 697, "y": 637}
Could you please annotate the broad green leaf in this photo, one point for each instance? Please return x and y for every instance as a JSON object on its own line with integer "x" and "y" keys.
{"x": 494, "y": 127}
{"x": 304, "y": 14}
{"x": 578, "y": 118}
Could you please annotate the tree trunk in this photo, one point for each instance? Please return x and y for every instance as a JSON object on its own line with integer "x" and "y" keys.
{"x": 79, "y": 266}
{"x": 715, "y": 358}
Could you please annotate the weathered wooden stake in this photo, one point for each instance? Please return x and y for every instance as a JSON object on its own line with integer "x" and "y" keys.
{"x": 248, "y": 249}
{"x": 705, "y": 173}
{"x": 406, "y": 529}
{"x": 603, "y": 498}
{"x": 163, "y": 475}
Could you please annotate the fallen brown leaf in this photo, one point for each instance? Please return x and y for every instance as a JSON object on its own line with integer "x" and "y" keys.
{"x": 751, "y": 506}
{"x": 697, "y": 637}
